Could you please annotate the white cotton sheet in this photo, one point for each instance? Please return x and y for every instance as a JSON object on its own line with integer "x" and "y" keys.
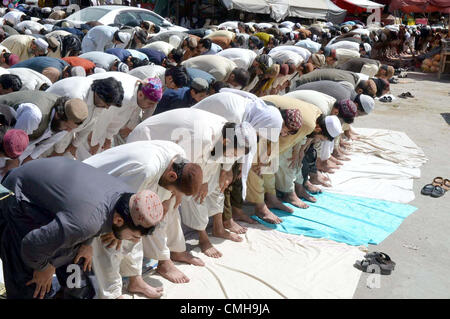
{"x": 383, "y": 165}
{"x": 271, "y": 265}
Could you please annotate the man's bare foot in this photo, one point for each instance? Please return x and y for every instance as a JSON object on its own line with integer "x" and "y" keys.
{"x": 335, "y": 161}
{"x": 263, "y": 212}
{"x": 138, "y": 285}
{"x": 326, "y": 166}
{"x": 168, "y": 270}
{"x": 319, "y": 179}
{"x": 234, "y": 227}
{"x": 311, "y": 188}
{"x": 205, "y": 245}
{"x": 340, "y": 156}
{"x": 302, "y": 193}
{"x": 239, "y": 215}
{"x": 209, "y": 250}
{"x": 186, "y": 257}
{"x": 272, "y": 201}
{"x": 294, "y": 200}
{"x": 220, "y": 231}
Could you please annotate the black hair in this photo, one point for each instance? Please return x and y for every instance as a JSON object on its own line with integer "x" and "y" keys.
{"x": 44, "y": 87}
{"x": 241, "y": 76}
{"x": 10, "y": 81}
{"x": 109, "y": 90}
{"x": 218, "y": 85}
{"x": 60, "y": 110}
{"x": 275, "y": 41}
{"x": 206, "y": 43}
{"x": 70, "y": 46}
{"x": 141, "y": 35}
{"x": 157, "y": 28}
{"x": 348, "y": 120}
{"x": 3, "y": 130}
{"x": 321, "y": 122}
{"x": 60, "y": 107}
{"x": 225, "y": 128}
{"x": 138, "y": 62}
{"x": 177, "y": 55}
{"x": 122, "y": 207}
{"x": 116, "y": 36}
{"x": 178, "y": 74}
{"x": 7, "y": 115}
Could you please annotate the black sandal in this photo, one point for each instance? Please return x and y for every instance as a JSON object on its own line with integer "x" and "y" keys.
{"x": 403, "y": 96}
{"x": 381, "y": 263}
{"x": 427, "y": 189}
{"x": 408, "y": 94}
{"x": 438, "y": 191}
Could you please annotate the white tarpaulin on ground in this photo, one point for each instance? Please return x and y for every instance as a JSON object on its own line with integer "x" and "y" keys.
{"x": 268, "y": 264}
{"x": 280, "y": 9}
{"x": 383, "y": 166}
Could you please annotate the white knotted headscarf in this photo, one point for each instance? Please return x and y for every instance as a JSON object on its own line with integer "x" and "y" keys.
{"x": 246, "y": 136}
{"x": 265, "y": 119}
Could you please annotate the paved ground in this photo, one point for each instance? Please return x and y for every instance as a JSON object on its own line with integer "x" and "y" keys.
{"x": 421, "y": 272}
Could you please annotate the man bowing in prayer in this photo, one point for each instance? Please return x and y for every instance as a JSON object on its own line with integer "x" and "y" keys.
{"x": 161, "y": 167}
{"x": 59, "y": 206}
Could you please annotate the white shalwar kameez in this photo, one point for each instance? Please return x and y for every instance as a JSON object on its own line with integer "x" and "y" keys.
{"x": 140, "y": 165}
{"x": 197, "y": 132}
{"x": 115, "y": 118}
{"x": 237, "y": 106}
{"x": 78, "y": 87}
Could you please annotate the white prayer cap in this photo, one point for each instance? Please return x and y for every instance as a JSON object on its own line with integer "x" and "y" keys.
{"x": 367, "y": 47}
{"x": 333, "y": 125}
{"x": 122, "y": 67}
{"x": 124, "y": 37}
{"x": 367, "y": 103}
{"x": 46, "y": 10}
{"x": 314, "y": 37}
{"x": 42, "y": 44}
{"x": 28, "y": 32}
{"x": 174, "y": 41}
{"x": 78, "y": 71}
{"x": 99, "y": 70}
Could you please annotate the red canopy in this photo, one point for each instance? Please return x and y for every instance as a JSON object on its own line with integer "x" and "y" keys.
{"x": 409, "y": 6}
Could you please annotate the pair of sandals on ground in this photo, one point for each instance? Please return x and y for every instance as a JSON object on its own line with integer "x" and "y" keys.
{"x": 376, "y": 262}
{"x": 437, "y": 188}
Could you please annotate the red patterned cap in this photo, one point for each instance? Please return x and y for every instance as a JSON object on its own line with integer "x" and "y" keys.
{"x": 146, "y": 209}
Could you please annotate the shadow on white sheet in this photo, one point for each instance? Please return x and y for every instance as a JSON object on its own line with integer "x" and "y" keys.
{"x": 383, "y": 165}
{"x": 271, "y": 265}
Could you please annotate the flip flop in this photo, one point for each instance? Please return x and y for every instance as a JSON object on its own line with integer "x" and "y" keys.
{"x": 446, "y": 185}
{"x": 438, "y": 191}
{"x": 408, "y": 94}
{"x": 384, "y": 266}
{"x": 385, "y": 99}
{"x": 403, "y": 96}
{"x": 427, "y": 189}
{"x": 438, "y": 181}
{"x": 382, "y": 256}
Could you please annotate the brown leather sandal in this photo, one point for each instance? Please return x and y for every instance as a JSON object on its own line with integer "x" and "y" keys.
{"x": 438, "y": 181}
{"x": 446, "y": 184}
